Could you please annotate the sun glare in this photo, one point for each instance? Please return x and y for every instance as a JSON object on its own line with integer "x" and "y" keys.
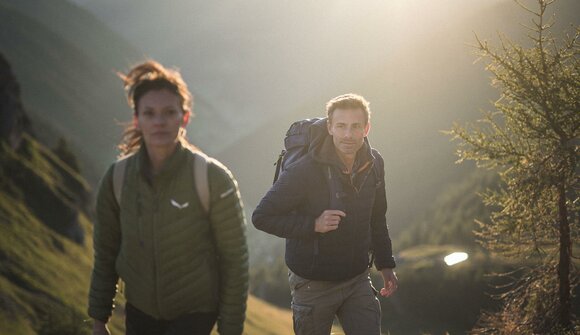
{"x": 454, "y": 258}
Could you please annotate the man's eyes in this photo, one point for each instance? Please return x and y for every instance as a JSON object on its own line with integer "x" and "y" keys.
{"x": 354, "y": 126}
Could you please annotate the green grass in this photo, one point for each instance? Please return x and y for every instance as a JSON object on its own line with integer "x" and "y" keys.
{"x": 44, "y": 277}
{"x": 44, "y": 281}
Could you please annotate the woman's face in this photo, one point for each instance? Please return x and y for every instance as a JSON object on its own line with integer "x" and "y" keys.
{"x": 159, "y": 118}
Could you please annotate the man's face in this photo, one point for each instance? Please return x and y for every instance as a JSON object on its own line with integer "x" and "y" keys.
{"x": 348, "y": 130}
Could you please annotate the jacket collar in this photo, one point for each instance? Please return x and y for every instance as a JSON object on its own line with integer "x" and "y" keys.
{"x": 326, "y": 154}
{"x": 169, "y": 166}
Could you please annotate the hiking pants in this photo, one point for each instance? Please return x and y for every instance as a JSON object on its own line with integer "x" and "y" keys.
{"x": 139, "y": 323}
{"x": 353, "y": 301}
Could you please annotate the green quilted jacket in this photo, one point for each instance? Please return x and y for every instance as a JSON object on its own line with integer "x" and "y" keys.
{"x": 173, "y": 258}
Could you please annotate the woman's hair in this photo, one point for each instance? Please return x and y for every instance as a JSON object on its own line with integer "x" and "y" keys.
{"x": 145, "y": 77}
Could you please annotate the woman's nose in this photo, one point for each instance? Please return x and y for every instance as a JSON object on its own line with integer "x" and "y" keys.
{"x": 159, "y": 119}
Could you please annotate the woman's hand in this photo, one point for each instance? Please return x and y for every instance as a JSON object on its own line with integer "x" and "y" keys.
{"x": 100, "y": 328}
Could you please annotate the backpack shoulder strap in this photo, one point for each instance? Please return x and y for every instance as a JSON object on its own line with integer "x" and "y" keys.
{"x": 379, "y": 167}
{"x": 119, "y": 177}
{"x": 200, "y": 161}
{"x": 199, "y": 175}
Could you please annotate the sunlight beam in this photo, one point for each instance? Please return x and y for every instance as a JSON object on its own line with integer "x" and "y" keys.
{"x": 455, "y": 258}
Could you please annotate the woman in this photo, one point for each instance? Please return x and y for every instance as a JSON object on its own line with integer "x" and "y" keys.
{"x": 183, "y": 268}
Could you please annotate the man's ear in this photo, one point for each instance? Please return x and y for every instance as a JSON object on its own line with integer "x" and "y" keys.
{"x": 367, "y": 128}
{"x": 329, "y": 126}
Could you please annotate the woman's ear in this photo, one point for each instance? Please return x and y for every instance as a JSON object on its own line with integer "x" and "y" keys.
{"x": 186, "y": 115}
{"x": 135, "y": 122}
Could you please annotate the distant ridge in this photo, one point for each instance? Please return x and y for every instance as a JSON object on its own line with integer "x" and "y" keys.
{"x": 65, "y": 60}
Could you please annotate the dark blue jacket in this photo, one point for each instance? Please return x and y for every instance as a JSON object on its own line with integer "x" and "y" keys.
{"x": 314, "y": 184}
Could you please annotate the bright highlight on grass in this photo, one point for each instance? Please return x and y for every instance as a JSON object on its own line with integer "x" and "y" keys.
{"x": 454, "y": 258}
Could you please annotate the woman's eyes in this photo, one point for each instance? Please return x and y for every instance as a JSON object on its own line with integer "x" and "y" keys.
{"x": 165, "y": 113}
{"x": 170, "y": 112}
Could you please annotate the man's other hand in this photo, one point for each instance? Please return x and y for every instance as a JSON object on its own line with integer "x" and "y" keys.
{"x": 391, "y": 282}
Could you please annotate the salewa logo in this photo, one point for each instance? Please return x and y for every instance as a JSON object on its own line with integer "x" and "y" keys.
{"x": 179, "y": 206}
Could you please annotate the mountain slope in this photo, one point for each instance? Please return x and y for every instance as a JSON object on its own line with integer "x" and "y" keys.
{"x": 46, "y": 249}
{"x": 68, "y": 83}
{"x": 44, "y": 281}
{"x": 44, "y": 274}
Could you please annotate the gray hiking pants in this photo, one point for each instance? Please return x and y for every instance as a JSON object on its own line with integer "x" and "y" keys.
{"x": 353, "y": 301}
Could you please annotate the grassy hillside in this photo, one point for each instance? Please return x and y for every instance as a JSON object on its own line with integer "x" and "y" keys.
{"x": 44, "y": 275}
{"x": 44, "y": 281}
{"x": 434, "y": 298}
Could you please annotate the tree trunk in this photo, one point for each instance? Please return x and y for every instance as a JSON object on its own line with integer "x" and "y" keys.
{"x": 565, "y": 258}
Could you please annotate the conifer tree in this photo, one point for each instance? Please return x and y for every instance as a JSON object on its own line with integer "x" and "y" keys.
{"x": 532, "y": 140}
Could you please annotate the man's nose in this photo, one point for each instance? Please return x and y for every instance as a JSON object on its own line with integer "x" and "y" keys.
{"x": 348, "y": 132}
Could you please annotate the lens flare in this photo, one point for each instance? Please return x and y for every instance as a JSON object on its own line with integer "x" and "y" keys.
{"x": 454, "y": 258}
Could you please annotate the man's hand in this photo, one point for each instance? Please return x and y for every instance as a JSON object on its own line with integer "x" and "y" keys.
{"x": 100, "y": 328}
{"x": 390, "y": 279}
{"x": 328, "y": 220}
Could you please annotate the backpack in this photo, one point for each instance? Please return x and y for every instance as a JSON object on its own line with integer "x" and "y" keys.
{"x": 200, "y": 162}
{"x": 301, "y": 137}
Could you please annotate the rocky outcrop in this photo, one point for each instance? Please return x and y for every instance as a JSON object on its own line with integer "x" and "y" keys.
{"x": 13, "y": 120}
{"x": 47, "y": 181}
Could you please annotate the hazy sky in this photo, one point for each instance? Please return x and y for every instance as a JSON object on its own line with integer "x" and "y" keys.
{"x": 253, "y": 62}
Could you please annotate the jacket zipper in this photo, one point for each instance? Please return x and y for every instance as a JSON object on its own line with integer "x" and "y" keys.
{"x": 357, "y": 195}
{"x": 357, "y": 191}
{"x": 316, "y": 245}
{"x": 154, "y": 247}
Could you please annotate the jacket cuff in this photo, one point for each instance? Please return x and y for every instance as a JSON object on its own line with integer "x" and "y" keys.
{"x": 100, "y": 314}
{"x": 387, "y": 263}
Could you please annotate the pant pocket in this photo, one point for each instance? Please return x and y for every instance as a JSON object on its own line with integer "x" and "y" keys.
{"x": 303, "y": 320}
{"x": 296, "y": 282}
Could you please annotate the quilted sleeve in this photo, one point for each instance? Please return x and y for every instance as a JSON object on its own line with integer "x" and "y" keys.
{"x": 381, "y": 241}
{"x": 277, "y": 211}
{"x": 229, "y": 229}
{"x": 106, "y": 244}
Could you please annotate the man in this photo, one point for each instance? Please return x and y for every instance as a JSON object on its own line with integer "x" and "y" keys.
{"x": 330, "y": 206}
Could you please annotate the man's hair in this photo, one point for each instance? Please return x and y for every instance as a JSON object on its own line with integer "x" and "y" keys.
{"x": 151, "y": 76}
{"x": 348, "y": 101}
